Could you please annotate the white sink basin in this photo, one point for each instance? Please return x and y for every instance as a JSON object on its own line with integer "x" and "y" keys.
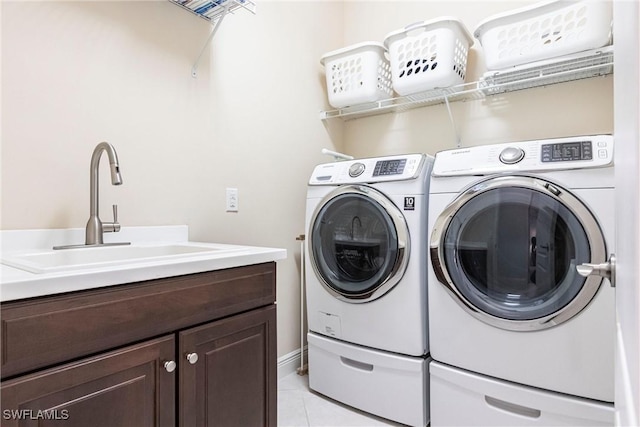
{"x": 106, "y": 256}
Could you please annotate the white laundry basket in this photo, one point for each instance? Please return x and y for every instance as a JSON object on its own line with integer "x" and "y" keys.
{"x": 357, "y": 74}
{"x": 544, "y": 30}
{"x": 428, "y": 55}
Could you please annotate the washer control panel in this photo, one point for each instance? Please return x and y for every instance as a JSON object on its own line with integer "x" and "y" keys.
{"x": 567, "y": 151}
{"x": 390, "y": 167}
{"x": 539, "y": 155}
{"x": 377, "y": 169}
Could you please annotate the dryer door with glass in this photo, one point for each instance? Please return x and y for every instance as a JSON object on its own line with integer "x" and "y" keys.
{"x": 358, "y": 243}
{"x": 507, "y": 249}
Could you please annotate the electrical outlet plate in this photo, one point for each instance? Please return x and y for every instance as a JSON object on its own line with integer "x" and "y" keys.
{"x": 232, "y": 200}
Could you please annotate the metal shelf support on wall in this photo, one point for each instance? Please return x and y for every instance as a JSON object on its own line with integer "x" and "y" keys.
{"x": 453, "y": 124}
{"x": 194, "y": 69}
{"x": 218, "y": 10}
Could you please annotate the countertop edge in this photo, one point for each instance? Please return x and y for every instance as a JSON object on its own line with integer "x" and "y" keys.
{"x": 34, "y": 285}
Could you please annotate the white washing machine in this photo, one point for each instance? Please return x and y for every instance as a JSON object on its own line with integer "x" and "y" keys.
{"x": 510, "y": 226}
{"x": 366, "y": 286}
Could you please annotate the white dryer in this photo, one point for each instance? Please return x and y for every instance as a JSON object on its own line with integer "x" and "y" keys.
{"x": 510, "y": 226}
{"x": 366, "y": 289}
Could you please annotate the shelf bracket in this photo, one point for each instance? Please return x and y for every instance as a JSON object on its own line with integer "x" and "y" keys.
{"x": 453, "y": 122}
{"x": 194, "y": 69}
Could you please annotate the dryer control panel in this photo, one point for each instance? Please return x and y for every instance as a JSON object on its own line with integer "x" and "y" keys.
{"x": 375, "y": 169}
{"x": 539, "y": 155}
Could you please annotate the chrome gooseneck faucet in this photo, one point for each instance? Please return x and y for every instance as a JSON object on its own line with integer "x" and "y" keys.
{"x": 95, "y": 227}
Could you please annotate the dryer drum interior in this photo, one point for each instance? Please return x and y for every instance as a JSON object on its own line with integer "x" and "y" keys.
{"x": 358, "y": 245}
{"x": 510, "y": 251}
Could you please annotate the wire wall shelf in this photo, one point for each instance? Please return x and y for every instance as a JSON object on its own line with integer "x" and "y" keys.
{"x": 593, "y": 63}
{"x": 211, "y": 11}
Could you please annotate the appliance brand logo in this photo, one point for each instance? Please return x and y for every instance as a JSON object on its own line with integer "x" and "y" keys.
{"x": 409, "y": 203}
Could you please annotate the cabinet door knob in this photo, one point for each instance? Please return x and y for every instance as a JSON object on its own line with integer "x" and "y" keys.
{"x": 192, "y": 358}
{"x": 170, "y": 366}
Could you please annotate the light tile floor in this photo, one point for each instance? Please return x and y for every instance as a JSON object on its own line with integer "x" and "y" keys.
{"x": 300, "y": 407}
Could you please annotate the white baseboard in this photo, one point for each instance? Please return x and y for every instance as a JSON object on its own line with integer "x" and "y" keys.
{"x": 290, "y": 362}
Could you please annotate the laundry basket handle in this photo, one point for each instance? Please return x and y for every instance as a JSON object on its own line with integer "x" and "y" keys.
{"x": 414, "y": 26}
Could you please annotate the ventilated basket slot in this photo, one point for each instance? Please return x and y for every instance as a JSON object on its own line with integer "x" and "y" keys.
{"x": 544, "y": 32}
{"x": 346, "y": 76}
{"x": 357, "y": 75}
{"x": 563, "y": 27}
{"x": 417, "y": 57}
{"x": 460, "y": 59}
{"x": 435, "y": 57}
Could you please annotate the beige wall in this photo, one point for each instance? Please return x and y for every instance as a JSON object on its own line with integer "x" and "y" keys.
{"x": 77, "y": 73}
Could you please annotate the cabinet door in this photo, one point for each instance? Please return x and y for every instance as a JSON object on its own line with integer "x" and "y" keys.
{"x": 233, "y": 382}
{"x": 126, "y": 387}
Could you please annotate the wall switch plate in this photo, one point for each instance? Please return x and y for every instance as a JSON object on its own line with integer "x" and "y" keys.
{"x": 232, "y": 200}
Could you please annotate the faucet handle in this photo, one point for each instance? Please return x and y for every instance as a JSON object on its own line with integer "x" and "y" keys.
{"x": 116, "y": 225}
{"x": 112, "y": 227}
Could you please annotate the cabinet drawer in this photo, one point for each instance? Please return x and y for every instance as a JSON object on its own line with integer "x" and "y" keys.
{"x": 44, "y": 331}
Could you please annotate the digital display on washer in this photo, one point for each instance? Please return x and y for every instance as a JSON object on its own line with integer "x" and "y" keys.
{"x": 566, "y": 151}
{"x": 389, "y": 167}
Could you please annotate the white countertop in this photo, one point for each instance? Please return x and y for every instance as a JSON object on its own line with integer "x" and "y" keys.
{"x": 16, "y": 283}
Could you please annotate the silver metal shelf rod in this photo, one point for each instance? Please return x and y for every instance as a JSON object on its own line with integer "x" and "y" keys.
{"x": 194, "y": 69}
{"x": 453, "y": 123}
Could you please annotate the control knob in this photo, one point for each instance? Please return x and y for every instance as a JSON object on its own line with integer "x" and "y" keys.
{"x": 511, "y": 155}
{"x": 356, "y": 169}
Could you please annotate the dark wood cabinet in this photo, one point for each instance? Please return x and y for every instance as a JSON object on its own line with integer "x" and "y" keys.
{"x": 118, "y": 356}
{"x": 126, "y": 387}
{"x": 233, "y": 381}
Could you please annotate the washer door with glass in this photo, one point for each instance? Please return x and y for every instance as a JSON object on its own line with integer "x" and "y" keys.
{"x": 358, "y": 244}
{"x": 507, "y": 250}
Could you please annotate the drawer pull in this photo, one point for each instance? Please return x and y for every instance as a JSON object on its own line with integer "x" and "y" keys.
{"x": 357, "y": 365}
{"x": 170, "y": 366}
{"x": 512, "y": 407}
{"x": 192, "y": 358}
